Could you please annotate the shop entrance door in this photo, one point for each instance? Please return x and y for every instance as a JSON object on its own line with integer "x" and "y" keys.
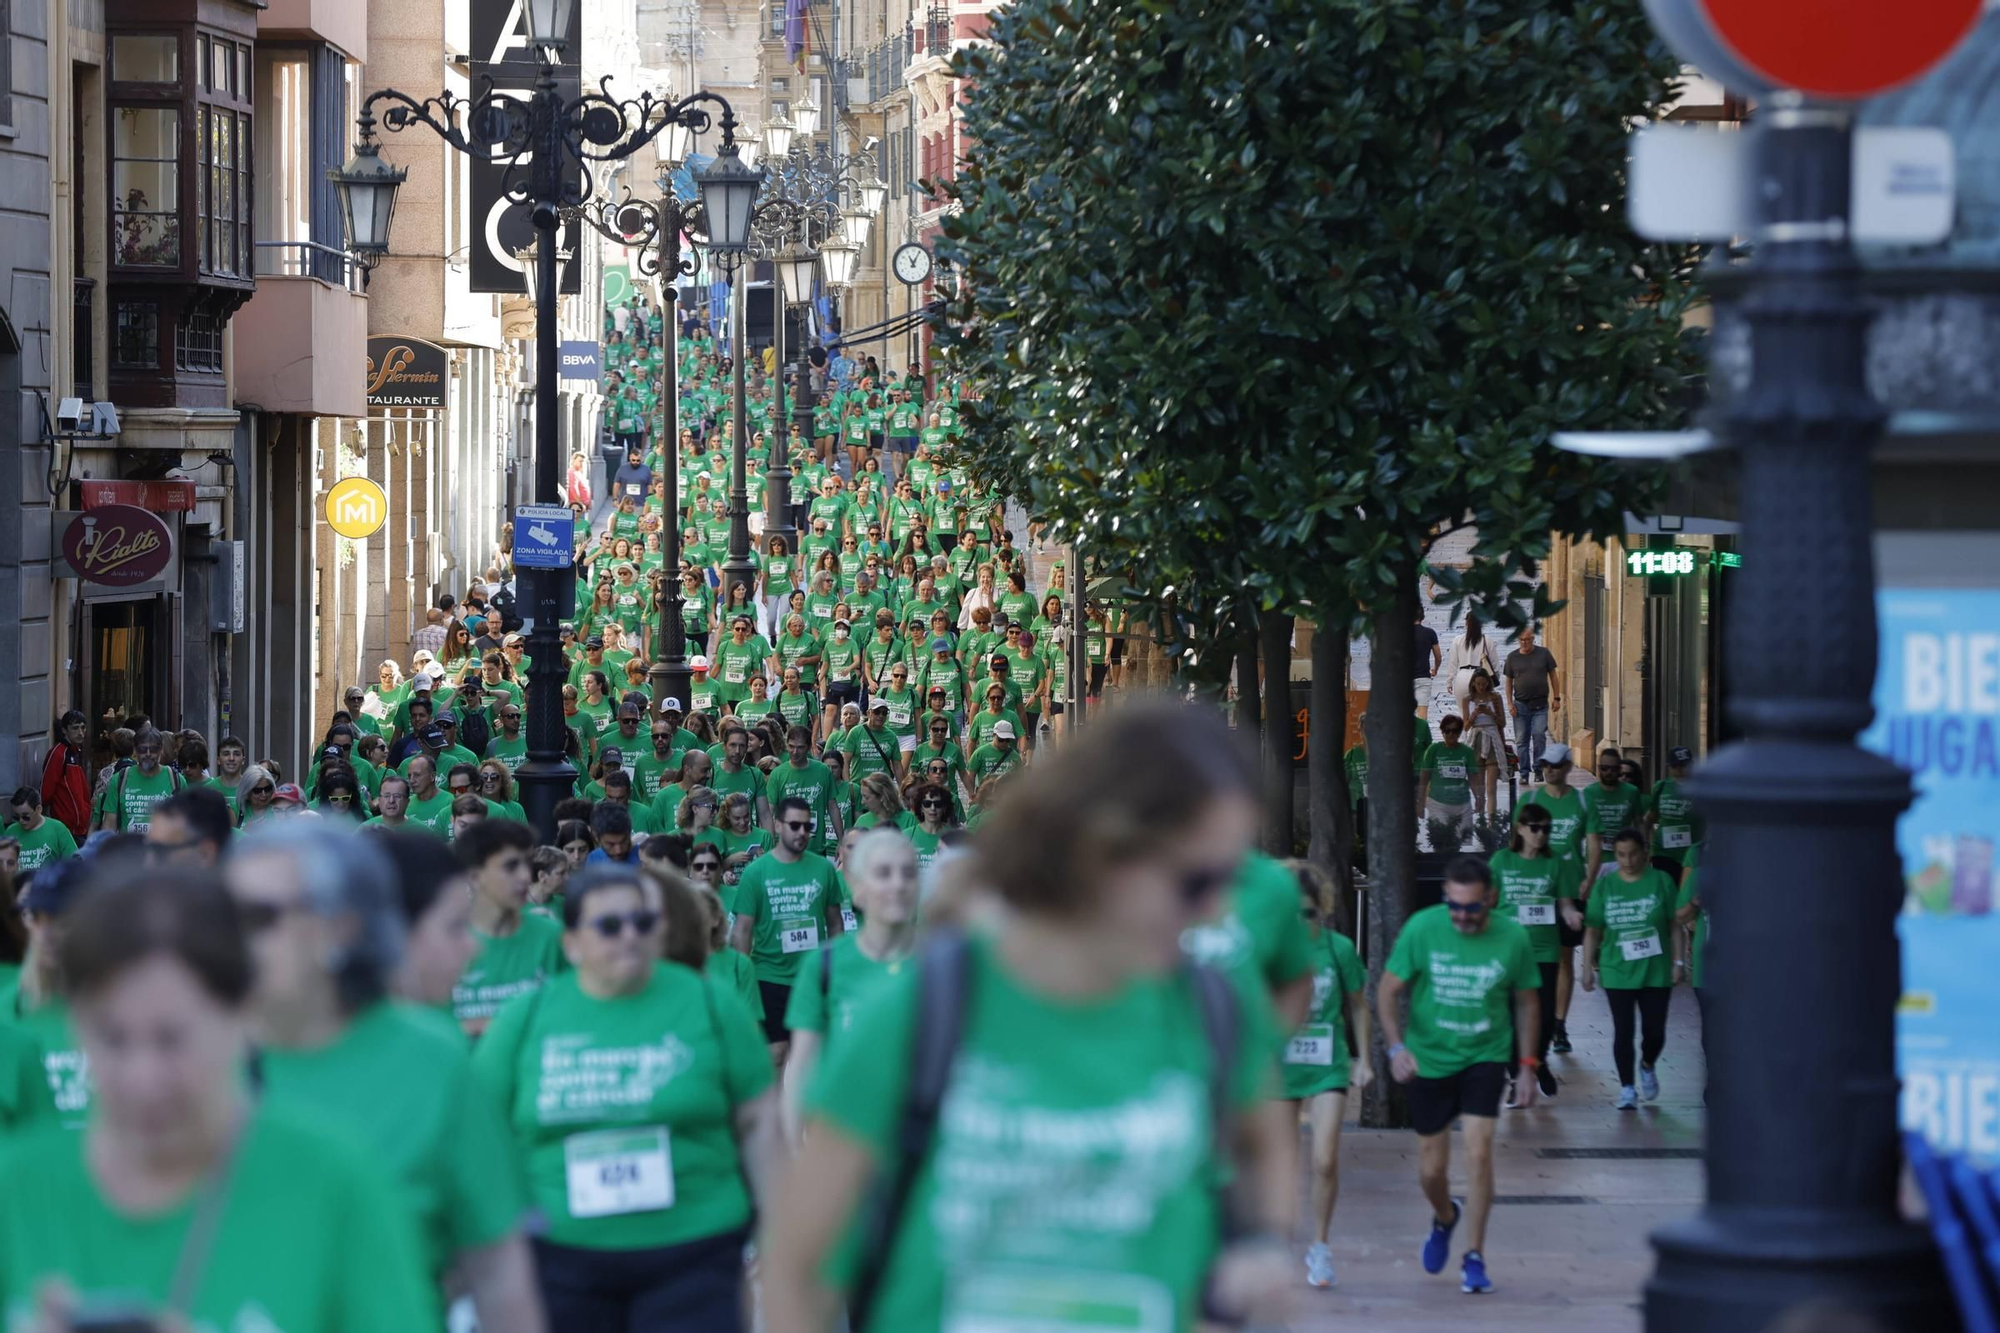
{"x": 125, "y": 664}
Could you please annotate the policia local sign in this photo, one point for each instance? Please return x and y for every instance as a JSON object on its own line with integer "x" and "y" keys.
{"x": 500, "y": 52}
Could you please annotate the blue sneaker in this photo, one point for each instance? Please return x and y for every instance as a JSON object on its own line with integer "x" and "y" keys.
{"x": 1438, "y": 1248}
{"x": 1475, "y": 1282}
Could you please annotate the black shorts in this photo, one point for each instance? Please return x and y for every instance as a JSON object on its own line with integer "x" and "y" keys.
{"x": 1569, "y": 939}
{"x": 902, "y": 444}
{"x": 1055, "y": 708}
{"x": 840, "y": 692}
{"x": 1474, "y": 1090}
{"x": 777, "y": 999}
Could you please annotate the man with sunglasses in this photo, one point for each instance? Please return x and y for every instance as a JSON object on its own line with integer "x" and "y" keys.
{"x": 787, "y": 904}
{"x": 1474, "y": 1014}
{"x": 510, "y": 747}
{"x": 41, "y": 840}
{"x": 128, "y": 799}
{"x": 1000, "y": 755}
{"x": 189, "y": 828}
{"x": 650, "y": 771}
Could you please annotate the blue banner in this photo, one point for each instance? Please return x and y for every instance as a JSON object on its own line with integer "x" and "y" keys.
{"x": 1937, "y": 713}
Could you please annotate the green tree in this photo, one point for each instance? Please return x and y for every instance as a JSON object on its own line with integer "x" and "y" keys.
{"x": 1266, "y": 295}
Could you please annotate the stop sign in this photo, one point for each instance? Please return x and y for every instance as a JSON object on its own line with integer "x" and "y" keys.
{"x": 1828, "y": 49}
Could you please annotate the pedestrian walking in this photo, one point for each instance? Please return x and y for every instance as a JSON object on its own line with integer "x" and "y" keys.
{"x": 1538, "y": 889}
{"x": 1629, "y": 941}
{"x": 1470, "y": 651}
{"x": 1427, "y": 657}
{"x": 1536, "y": 686}
{"x": 1320, "y": 1065}
{"x": 66, "y": 775}
{"x": 1474, "y": 1011}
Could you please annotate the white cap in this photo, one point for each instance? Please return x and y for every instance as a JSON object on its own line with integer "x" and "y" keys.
{"x": 1556, "y": 753}
{"x": 1003, "y": 731}
{"x": 671, "y": 705}
{"x": 698, "y": 662}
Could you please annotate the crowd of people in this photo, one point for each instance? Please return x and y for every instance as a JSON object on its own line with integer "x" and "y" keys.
{"x": 848, "y": 987}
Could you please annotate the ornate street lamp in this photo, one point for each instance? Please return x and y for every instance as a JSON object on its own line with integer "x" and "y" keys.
{"x": 778, "y": 134}
{"x": 797, "y": 268}
{"x": 805, "y": 115}
{"x": 547, "y": 145}
{"x": 840, "y": 259}
{"x": 871, "y": 194}
{"x": 548, "y": 23}
{"x": 367, "y": 188}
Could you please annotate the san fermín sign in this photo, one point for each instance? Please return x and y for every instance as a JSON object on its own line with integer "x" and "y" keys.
{"x": 407, "y": 372}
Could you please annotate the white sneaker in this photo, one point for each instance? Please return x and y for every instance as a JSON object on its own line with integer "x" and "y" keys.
{"x": 1628, "y": 1098}
{"x": 1319, "y": 1267}
{"x": 1649, "y": 1083}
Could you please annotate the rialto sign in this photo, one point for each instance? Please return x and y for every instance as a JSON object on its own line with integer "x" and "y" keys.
{"x": 117, "y": 546}
{"x": 407, "y": 372}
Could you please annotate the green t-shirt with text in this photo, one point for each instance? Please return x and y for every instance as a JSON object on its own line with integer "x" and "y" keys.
{"x": 786, "y": 904}
{"x": 1635, "y": 916}
{"x": 506, "y": 966}
{"x": 50, "y": 842}
{"x": 1461, "y": 989}
{"x": 1529, "y": 890}
{"x": 1317, "y": 1058}
{"x": 1566, "y": 820}
{"x": 1451, "y": 769}
{"x": 850, "y": 976}
{"x": 1608, "y": 811}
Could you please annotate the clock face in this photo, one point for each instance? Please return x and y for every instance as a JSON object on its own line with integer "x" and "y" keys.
{"x": 913, "y": 263}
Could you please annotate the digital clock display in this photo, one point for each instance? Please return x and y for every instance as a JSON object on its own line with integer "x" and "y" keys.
{"x": 1639, "y": 563}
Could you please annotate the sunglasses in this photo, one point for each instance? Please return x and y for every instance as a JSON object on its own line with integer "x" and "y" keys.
{"x": 264, "y": 789}
{"x": 933, "y": 805}
{"x": 798, "y": 826}
{"x": 612, "y": 924}
{"x": 704, "y": 865}
{"x": 260, "y": 917}
{"x": 1466, "y": 909}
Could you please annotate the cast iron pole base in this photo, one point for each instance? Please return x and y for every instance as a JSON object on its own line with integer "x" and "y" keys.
{"x": 1740, "y": 1274}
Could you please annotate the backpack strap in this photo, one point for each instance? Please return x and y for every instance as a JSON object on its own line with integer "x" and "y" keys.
{"x": 1222, "y": 1026}
{"x": 825, "y": 972}
{"x": 944, "y": 986}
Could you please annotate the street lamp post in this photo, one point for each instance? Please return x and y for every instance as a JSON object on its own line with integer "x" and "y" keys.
{"x": 536, "y": 140}
{"x": 1803, "y": 1155}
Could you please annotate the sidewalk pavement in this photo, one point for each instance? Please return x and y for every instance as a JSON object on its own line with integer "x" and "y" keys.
{"x": 1579, "y": 1189}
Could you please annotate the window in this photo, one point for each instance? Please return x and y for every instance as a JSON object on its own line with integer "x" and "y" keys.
{"x": 135, "y": 340}
{"x": 284, "y": 147}
{"x": 145, "y": 187}
{"x": 780, "y": 86}
{"x": 148, "y": 57}
{"x": 198, "y": 341}
{"x": 222, "y": 174}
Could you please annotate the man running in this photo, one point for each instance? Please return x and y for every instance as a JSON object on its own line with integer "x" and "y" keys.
{"x": 1474, "y": 1003}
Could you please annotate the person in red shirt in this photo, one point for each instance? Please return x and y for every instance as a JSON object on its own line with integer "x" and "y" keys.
{"x": 66, "y": 776}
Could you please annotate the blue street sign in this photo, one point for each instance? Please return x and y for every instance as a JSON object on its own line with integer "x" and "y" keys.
{"x": 580, "y": 361}
{"x": 544, "y": 537}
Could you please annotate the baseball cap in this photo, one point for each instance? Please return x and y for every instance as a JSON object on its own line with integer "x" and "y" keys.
{"x": 940, "y": 645}
{"x": 1679, "y": 755}
{"x": 290, "y": 794}
{"x": 671, "y": 705}
{"x": 698, "y": 662}
{"x": 1556, "y": 753}
{"x": 446, "y": 719}
{"x": 513, "y": 641}
{"x": 54, "y": 887}
{"x": 1003, "y": 731}
{"x": 842, "y": 624}
{"x": 939, "y": 691}
{"x": 878, "y": 705}
{"x": 594, "y": 641}
{"x": 432, "y": 735}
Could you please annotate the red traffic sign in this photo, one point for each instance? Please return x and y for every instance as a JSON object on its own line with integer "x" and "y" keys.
{"x": 119, "y": 546}
{"x": 1832, "y": 50}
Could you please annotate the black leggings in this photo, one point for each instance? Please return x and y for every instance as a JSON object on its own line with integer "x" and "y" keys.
{"x": 1651, "y": 1004}
{"x": 695, "y": 1287}
{"x": 1549, "y": 973}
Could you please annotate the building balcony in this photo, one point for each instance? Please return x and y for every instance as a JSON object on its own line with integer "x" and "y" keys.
{"x": 302, "y": 341}
{"x": 341, "y": 23}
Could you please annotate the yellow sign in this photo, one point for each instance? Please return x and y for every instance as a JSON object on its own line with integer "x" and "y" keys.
{"x": 356, "y": 507}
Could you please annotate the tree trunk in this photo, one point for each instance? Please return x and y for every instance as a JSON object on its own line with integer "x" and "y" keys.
{"x": 1249, "y": 699}
{"x": 1274, "y": 645}
{"x": 1329, "y": 804}
{"x": 1392, "y": 813}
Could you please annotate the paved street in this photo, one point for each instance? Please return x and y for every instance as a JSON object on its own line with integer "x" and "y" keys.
{"x": 1567, "y": 1244}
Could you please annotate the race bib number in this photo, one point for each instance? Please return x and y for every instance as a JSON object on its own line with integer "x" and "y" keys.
{"x": 618, "y": 1171}
{"x": 1536, "y": 914}
{"x": 1639, "y": 950}
{"x": 1452, "y": 771}
{"x": 1311, "y": 1045}
{"x": 1017, "y": 1300}
{"x": 1676, "y": 837}
{"x": 798, "y": 935}
{"x": 736, "y": 673}
{"x": 847, "y": 921}
{"x": 899, "y": 715}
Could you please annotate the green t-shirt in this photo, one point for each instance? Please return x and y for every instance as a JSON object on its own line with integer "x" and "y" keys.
{"x": 848, "y": 975}
{"x": 989, "y": 761}
{"x": 624, "y": 1108}
{"x": 812, "y": 784}
{"x": 1608, "y": 811}
{"x": 1039, "y": 1204}
{"x": 1566, "y": 820}
{"x": 64, "y": 1068}
{"x": 1677, "y": 829}
{"x": 400, "y": 1081}
{"x": 1635, "y": 916}
{"x": 1317, "y": 1058}
{"x": 1461, "y": 989}
{"x": 1698, "y": 946}
{"x": 24, "y": 1089}
{"x": 50, "y": 842}
{"x": 349, "y": 1260}
{"x": 132, "y": 795}
{"x": 504, "y": 967}
{"x": 737, "y": 971}
{"x": 1529, "y": 888}
{"x": 1451, "y": 768}
{"x": 870, "y": 751}
{"x": 786, "y": 904}
{"x": 434, "y": 815}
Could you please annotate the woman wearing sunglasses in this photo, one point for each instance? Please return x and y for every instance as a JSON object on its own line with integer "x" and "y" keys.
{"x": 1537, "y": 888}
{"x": 639, "y": 1094}
{"x": 1083, "y": 1021}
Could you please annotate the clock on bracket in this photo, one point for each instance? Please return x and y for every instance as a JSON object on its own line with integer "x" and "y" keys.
{"x": 912, "y": 263}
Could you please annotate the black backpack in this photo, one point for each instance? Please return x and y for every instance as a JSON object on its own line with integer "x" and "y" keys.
{"x": 944, "y": 988}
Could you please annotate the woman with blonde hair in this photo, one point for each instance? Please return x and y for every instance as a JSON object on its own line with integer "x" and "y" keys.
{"x": 883, "y": 804}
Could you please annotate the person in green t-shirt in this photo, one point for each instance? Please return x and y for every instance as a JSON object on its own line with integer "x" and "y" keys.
{"x": 1538, "y": 890}
{"x": 1610, "y": 807}
{"x": 804, "y": 777}
{"x": 108, "y": 1214}
{"x": 1445, "y": 777}
{"x": 881, "y": 872}
{"x": 1319, "y": 1065}
{"x": 1474, "y": 1005}
{"x": 41, "y": 840}
{"x": 787, "y": 902}
{"x": 1630, "y": 941}
{"x": 517, "y": 953}
{"x": 130, "y": 794}
{"x": 641, "y": 1104}
{"x": 396, "y": 1077}
{"x": 1056, "y": 1059}
{"x": 1567, "y": 816}
{"x": 1670, "y": 815}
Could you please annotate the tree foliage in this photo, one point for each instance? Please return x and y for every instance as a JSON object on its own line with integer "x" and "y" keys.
{"x": 1263, "y": 294}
